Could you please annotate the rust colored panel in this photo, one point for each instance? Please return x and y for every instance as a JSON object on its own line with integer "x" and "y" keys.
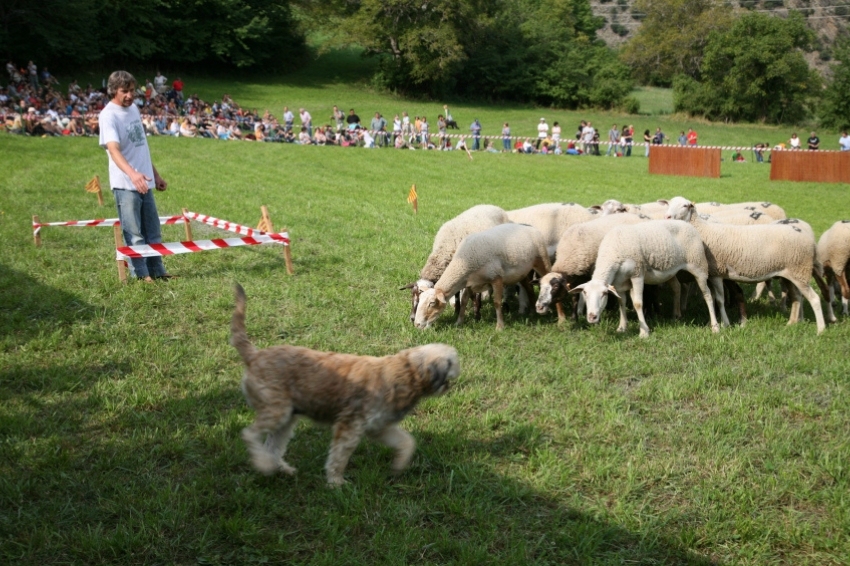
{"x": 682, "y": 160}
{"x": 815, "y": 166}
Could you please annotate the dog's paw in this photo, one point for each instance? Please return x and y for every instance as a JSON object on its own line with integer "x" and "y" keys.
{"x": 335, "y": 482}
{"x": 265, "y": 463}
{"x": 287, "y": 469}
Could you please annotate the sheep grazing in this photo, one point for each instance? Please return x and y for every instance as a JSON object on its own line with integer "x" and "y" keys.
{"x": 755, "y": 253}
{"x": 552, "y": 219}
{"x": 645, "y": 253}
{"x": 502, "y": 255}
{"x": 773, "y": 210}
{"x": 654, "y": 210}
{"x": 610, "y": 206}
{"x": 447, "y": 240}
{"x": 575, "y": 259}
{"x": 834, "y": 255}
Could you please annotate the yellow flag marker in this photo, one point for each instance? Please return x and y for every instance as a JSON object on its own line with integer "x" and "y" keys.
{"x": 413, "y": 199}
{"x": 93, "y": 186}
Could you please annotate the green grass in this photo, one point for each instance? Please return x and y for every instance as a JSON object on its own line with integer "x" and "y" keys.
{"x": 120, "y": 405}
{"x": 654, "y": 100}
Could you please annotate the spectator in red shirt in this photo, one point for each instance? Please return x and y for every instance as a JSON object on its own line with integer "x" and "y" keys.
{"x": 177, "y": 85}
{"x": 692, "y": 137}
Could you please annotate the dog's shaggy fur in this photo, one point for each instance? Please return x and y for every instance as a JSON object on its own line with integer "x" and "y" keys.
{"x": 357, "y": 395}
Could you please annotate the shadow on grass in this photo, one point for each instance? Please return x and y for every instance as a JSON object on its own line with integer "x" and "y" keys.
{"x": 29, "y": 307}
{"x": 121, "y": 481}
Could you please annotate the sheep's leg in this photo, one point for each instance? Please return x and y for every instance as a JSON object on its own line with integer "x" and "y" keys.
{"x": 676, "y": 287}
{"x": 624, "y": 321}
{"x": 796, "y": 306}
{"x": 737, "y": 296}
{"x": 524, "y": 297}
{"x": 498, "y": 292}
{"x": 464, "y": 298}
{"x": 685, "y": 295}
{"x": 529, "y": 291}
{"x": 476, "y": 306}
{"x": 719, "y": 298}
{"x": 706, "y": 295}
{"x": 637, "y": 303}
{"x": 562, "y": 317}
{"x": 845, "y": 289}
{"x": 807, "y": 291}
{"x": 830, "y": 314}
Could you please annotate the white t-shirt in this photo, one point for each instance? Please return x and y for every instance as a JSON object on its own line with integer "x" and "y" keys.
{"x": 542, "y": 130}
{"x": 124, "y": 125}
{"x": 795, "y": 142}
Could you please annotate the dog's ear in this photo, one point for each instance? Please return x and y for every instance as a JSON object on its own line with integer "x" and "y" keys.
{"x": 440, "y": 371}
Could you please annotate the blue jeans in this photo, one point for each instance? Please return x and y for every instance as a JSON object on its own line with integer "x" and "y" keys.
{"x": 506, "y": 144}
{"x": 475, "y": 140}
{"x": 140, "y": 225}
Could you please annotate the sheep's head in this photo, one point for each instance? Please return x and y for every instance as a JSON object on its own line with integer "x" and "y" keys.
{"x": 552, "y": 286}
{"x": 680, "y": 208}
{"x": 415, "y": 289}
{"x": 432, "y": 302}
{"x": 595, "y": 294}
{"x": 611, "y": 206}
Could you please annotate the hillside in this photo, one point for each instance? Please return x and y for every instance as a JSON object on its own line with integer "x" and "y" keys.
{"x": 827, "y": 18}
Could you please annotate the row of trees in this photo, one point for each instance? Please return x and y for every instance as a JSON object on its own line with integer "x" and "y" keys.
{"x": 721, "y": 64}
{"x": 235, "y": 33}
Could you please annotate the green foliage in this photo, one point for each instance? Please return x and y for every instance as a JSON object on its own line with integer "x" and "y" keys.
{"x": 753, "y": 71}
{"x": 672, "y": 38}
{"x": 240, "y": 33}
{"x": 835, "y": 102}
{"x": 530, "y": 50}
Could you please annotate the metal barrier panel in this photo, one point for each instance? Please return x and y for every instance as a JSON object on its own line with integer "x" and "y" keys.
{"x": 687, "y": 161}
{"x": 805, "y": 165}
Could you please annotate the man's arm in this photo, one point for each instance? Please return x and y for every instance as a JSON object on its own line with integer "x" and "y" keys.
{"x": 139, "y": 180}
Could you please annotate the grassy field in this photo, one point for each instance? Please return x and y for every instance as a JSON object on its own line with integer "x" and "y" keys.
{"x": 120, "y": 404}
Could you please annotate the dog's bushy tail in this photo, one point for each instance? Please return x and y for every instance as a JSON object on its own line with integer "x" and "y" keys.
{"x": 238, "y": 336}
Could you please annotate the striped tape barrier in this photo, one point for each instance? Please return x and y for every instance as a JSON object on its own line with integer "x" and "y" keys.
{"x": 37, "y": 226}
{"x": 154, "y": 250}
{"x": 225, "y": 225}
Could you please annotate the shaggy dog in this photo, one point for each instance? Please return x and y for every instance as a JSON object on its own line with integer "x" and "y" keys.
{"x": 356, "y": 395}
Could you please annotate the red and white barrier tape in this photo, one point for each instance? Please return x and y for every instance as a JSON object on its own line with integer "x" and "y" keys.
{"x": 224, "y": 224}
{"x": 36, "y": 226}
{"x": 154, "y": 250}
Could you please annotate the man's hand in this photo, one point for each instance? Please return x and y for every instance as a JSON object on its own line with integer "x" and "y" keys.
{"x": 140, "y": 181}
{"x": 159, "y": 182}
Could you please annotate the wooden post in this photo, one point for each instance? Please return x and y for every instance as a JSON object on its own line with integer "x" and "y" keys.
{"x": 119, "y": 240}
{"x": 36, "y": 235}
{"x": 287, "y": 256}
{"x": 267, "y": 226}
{"x": 186, "y": 226}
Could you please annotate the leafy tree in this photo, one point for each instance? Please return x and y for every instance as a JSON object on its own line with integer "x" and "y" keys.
{"x": 672, "y": 38}
{"x": 835, "y": 104}
{"x": 753, "y": 71}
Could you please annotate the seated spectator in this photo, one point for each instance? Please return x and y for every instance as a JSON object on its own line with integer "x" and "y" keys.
{"x": 320, "y": 137}
{"x": 304, "y": 137}
{"x": 14, "y": 123}
{"x": 737, "y": 156}
{"x": 187, "y": 130}
{"x": 368, "y": 140}
{"x": 527, "y": 146}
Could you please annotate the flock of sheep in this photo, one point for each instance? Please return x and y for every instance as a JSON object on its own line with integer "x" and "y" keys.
{"x": 613, "y": 248}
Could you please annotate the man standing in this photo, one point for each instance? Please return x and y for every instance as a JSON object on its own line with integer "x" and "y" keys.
{"x": 542, "y": 131}
{"x": 844, "y": 142}
{"x": 613, "y": 140}
{"x": 288, "y": 119}
{"x": 177, "y": 85}
{"x": 587, "y": 134}
{"x": 475, "y": 129}
{"x": 813, "y": 141}
{"x": 692, "y": 137}
{"x": 378, "y": 127}
{"x": 132, "y": 174}
{"x": 159, "y": 82}
{"x": 306, "y": 121}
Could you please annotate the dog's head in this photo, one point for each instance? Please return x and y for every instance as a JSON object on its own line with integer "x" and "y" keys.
{"x": 438, "y": 366}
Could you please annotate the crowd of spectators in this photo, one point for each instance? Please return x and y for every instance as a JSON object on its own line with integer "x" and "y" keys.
{"x": 34, "y": 103}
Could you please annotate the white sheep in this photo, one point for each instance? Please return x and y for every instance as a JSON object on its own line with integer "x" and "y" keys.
{"x": 552, "y": 219}
{"x": 646, "y": 253}
{"x": 834, "y": 255}
{"x": 446, "y": 242}
{"x": 773, "y": 210}
{"x": 655, "y": 210}
{"x": 502, "y": 255}
{"x": 575, "y": 258}
{"x": 756, "y": 253}
{"x": 739, "y": 217}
